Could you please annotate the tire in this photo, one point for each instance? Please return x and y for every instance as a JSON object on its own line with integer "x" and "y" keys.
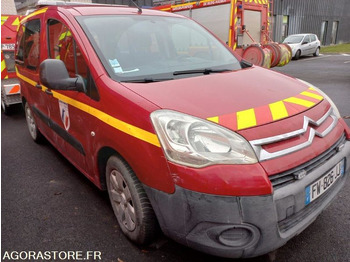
{"x": 5, "y": 108}
{"x": 32, "y": 127}
{"x": 317, "y": 52}
{"x": 130, "y": 203}
{"x": 297, "y": 55}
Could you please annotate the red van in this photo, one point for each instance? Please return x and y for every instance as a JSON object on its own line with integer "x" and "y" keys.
{"x": 225, "y": 157}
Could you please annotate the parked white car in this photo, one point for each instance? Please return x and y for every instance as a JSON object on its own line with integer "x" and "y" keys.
{"x": 303, "y": 44}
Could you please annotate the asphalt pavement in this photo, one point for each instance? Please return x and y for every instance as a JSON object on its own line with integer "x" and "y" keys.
{"x": 47, "y": 205}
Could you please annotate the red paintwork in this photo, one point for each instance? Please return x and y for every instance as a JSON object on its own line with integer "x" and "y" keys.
{"x": 230, "y": 180}
{"x": 220, "y": 94}
{"x": 202, "y": 96}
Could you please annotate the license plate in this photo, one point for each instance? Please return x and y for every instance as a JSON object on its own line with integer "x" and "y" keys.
{"x": 320, "y": 186}
{"x": 8, "y": 46}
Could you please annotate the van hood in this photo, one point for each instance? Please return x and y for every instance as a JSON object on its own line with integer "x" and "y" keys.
{"x": 237, "y": 100}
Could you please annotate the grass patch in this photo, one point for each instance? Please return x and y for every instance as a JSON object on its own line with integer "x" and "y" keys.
{"x": 342, "y": 48}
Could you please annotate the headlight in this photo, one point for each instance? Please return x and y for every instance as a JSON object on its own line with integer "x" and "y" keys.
{"x": 195, "y": 142}
{"x": 335, "y": 109}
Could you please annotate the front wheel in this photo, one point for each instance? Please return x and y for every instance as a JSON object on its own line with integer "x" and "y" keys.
{"x": 32, "y": 127}
{"x": 297, "y": 55}
{"x": 130, "y": 203}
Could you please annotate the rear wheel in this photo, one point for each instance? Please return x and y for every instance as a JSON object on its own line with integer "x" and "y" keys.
{"x": 317, "y": 52}
{"x": 32, "y": 127}
{"x": 130, "y": 203}
{"x": 5, "y": 108}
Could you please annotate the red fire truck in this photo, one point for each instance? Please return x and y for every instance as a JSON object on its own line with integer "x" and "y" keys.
{"x": 242, "y": 24}
{"x": 10, "y": 87}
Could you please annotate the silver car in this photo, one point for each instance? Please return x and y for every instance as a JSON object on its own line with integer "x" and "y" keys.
{"x": 303, "y": 44}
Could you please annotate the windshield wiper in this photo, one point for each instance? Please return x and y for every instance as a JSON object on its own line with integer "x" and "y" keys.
{"x": 147, "y": 80}
{"x": 205, "y": 71}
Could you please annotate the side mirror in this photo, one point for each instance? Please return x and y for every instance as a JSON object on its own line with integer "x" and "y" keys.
{"x": 304, "y": 43}
{"x": 245, "y": 64}
{"x": 243, "y": 27}
{"x": 54, "y": 75}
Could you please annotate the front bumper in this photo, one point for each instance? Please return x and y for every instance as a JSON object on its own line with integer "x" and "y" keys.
{"x": 10, "y": 91}
{"x": 247, "y": 226}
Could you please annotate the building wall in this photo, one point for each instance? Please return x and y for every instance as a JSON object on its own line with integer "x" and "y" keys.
{"x": 8, "y": 7}
{"x": 307, "y": 16}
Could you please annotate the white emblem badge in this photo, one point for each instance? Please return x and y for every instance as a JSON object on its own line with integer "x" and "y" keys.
{"x": 64, "y": 112}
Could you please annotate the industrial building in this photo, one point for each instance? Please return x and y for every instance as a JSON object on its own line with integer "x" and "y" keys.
{"x": 329, "y": 20}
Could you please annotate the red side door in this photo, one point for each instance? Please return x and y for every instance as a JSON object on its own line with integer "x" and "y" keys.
{"x": 72, "y": 126}
{"x": 29, "y": 46}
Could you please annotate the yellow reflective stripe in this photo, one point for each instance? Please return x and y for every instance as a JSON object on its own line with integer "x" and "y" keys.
{"x": 246, "y": 119}
{"x": 299, "y": 101}
{"x": 26, "y": 79}
{"x": 318, "y": 97}
{"x": 3, "y": 65}
{"x": 109, "y": 120}
{"x": 40, "y": 11}
{"x": 114, "y": 122}
{"x": 214, "y": 119}
{"x": 278, "y": 110}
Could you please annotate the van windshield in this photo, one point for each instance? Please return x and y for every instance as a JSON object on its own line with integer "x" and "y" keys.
{"x": 155, "y": 48}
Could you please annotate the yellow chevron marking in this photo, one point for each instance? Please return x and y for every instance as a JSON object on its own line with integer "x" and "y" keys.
{"x": 278, "y": 110}
{"x": 299, "y": 101}
{"x": 246, "y": 119}
{"x": 16, "y": 22}
{"x": 3, "y": 19}
{"x": 318, "y": 97}
{"x": 214, "y": 119}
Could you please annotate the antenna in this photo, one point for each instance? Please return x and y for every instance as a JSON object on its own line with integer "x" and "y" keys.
{"x": 139, "y": 8}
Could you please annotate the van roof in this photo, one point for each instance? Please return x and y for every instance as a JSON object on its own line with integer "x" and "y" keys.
{"x": 104, "y": 9}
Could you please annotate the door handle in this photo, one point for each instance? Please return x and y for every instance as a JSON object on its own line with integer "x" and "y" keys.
{"x": 47, "y": 91}
{"x": 38, "y": 86}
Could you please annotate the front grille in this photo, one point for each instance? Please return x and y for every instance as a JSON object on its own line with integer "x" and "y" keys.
{"x": 287, "y": 177}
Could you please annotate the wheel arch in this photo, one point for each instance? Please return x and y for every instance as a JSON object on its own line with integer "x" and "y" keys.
{"x": 102, "y": 157}
{"x": 24, "y": 100}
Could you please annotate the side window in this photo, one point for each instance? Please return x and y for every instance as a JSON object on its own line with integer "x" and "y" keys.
{"x": 63, "y": 46}
{"x": 307, "y": 39}
{"x": 28, "y": 45}
{"x": 313, "y": 38}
